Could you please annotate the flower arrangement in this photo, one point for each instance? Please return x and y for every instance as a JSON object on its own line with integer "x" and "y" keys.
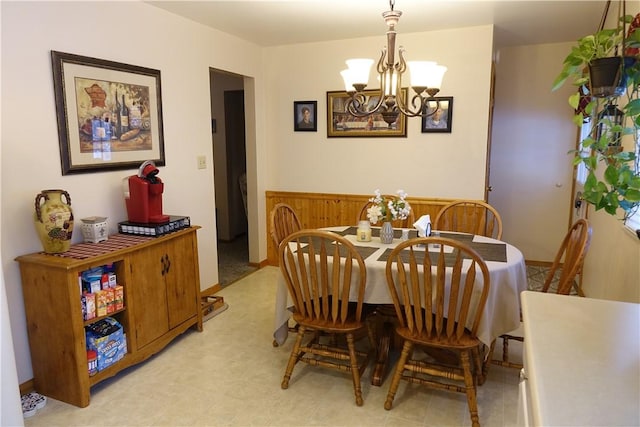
{"x": 388, "y": 208}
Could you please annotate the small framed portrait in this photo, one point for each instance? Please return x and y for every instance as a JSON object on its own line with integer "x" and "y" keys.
{"x": 305, "y": 115}
{"x": 439, "y": 115}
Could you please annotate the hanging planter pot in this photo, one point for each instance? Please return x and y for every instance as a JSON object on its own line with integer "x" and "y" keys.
{"x": 606, "y": 76}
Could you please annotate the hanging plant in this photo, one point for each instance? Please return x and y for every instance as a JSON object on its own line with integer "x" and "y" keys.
{"x": 619, "y": 185}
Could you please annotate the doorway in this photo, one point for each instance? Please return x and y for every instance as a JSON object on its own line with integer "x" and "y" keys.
{"x": 229, "y": 158}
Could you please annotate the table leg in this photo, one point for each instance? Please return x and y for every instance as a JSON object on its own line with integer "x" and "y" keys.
{"x": 382, "y": 356}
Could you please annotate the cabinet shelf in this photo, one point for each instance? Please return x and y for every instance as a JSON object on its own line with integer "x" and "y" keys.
{"x": 161, "y": 283}
{"x": 98, "y": 318}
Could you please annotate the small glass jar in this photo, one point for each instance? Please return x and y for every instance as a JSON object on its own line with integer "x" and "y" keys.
{"x": 363, "y": 234}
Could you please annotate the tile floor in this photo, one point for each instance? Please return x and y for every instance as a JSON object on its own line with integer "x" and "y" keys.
{"x": 229, "y": 375}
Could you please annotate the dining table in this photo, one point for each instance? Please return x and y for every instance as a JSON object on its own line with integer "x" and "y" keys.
{"x": 501, "y": 313}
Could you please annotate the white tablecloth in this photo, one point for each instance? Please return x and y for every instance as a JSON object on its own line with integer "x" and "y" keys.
{"x": 501, "y": 313}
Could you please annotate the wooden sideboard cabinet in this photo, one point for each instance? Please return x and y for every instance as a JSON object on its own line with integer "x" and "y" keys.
{"x": 161, "y": 282}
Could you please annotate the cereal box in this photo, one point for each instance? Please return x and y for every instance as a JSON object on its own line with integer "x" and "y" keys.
{"x": 101, "y": 303}
{"x": 118, "y": 297}
{"x": 107, "y": 338}
{"x": 110, "y": 300}
{"x": 88, "y": 306}
{"x": 113, "y": 281}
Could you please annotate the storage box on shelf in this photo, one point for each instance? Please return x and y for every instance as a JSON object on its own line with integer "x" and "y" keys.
{"x": 159, "y": 279}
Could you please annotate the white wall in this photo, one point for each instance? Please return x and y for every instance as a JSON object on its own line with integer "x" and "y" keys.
{"x": 531, "y": 172}
{"x": 30, "y": 157}
{"x": 423, "y": 164}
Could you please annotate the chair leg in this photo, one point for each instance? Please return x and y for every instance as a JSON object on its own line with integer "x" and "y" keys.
{"x": 293, "y": 359}
{"x": 486, "y": 362}
{"x": 505, "y": 348}
{"x": 479, "y": 364}
{"x": 397, "y": 375}
{"x": 355, "y": 371}
{"x": 470, "y": 388}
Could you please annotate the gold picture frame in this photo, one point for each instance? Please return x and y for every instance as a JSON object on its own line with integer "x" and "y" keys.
{"x": 341, "y": 124}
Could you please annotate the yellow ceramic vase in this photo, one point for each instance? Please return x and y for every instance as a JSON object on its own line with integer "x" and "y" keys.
{"x": 53, "y": 219}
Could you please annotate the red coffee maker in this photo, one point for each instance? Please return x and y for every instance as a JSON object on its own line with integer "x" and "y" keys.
{"x": 143, "y": 195}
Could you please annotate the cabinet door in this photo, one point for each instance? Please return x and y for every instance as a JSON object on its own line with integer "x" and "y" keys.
{"x": 149, "y": 293}
{"x": 181, "y": 279}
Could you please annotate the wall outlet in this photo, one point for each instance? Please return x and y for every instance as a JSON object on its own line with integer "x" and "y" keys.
{"x": 202, "y": 162}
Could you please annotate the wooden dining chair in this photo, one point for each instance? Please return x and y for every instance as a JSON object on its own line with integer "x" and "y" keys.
{"x": 439, "y": 298}
{"x": 470, "y": 216}
{"x": 326, "y": 279}
{"x": 283, "y": 221}
{"x": 566, "y": 266}
{"x": 399, "y": 223}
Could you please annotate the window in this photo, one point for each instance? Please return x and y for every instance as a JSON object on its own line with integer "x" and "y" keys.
{"x": 633, "y": 221}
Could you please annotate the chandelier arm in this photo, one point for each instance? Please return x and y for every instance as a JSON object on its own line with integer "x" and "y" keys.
{"x": 357, "y": 103}
{"x": 421, "y": 111}
{"x": 382, "y": 67}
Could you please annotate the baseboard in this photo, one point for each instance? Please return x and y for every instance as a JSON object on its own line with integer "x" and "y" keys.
{"x": 534, "y": 263}
{"x": 27, "y": 387}
{"x": 210, "y": 291}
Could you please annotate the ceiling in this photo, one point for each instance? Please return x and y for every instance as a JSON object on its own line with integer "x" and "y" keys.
{"x": 273, "y": 23}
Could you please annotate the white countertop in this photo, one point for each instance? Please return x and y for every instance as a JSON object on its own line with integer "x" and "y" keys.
{"x": 582, "y": 360}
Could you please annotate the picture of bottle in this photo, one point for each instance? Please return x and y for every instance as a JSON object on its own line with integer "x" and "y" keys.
{"x": 97, "y": 129}
{"x": 107, "y": 129}
{"x": 118, "y": 125}
{"x": 135, "y": 117}
{"x": 124, "y": 117}
{"x": 113, "y": 120}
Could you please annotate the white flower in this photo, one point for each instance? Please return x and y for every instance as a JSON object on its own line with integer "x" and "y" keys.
{"x": 395, "y": 207}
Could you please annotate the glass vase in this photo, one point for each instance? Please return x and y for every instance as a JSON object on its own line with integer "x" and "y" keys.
{"x": 386, "y": 233}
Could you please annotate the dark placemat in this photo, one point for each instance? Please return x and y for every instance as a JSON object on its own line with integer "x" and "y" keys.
{"x": 375, "y": 232}
{"x": 449, "y": 258}
{"x": 364, "y": 251}
{"x": 460, "y": 237}
{"x": 397, "y": 233}
{"x": 488, "y": 251}
{"x": 491, "y": 251}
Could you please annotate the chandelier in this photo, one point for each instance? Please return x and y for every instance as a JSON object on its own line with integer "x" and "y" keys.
{"x": 426, "y": 78}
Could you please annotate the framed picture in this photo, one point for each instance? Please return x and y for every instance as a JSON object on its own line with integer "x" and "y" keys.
{"x": 441, "y": 115}
{"x": 340, "y": 123}
{"x": 305, "y": 116}
{"x": 109, "y": 114}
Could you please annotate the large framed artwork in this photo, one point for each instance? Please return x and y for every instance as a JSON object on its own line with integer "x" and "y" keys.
{"x": 340, "y": 123}
{"x": 440, "y": 115}
{"x": 109, "y": 114}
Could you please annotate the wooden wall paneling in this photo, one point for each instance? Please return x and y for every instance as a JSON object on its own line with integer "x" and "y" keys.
{"x": 316, "y": 210}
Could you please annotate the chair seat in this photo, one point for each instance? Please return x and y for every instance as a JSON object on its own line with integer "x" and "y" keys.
{"x": 350, "y": 325}
{"x": 466, "y": 341}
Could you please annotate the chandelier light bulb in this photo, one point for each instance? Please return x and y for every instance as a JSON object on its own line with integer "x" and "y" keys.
{"x": 434, "y": 80}
{"x": 347, "y": 76}
{"x": 360, "y": 69}
{"x": 421, "y": 72}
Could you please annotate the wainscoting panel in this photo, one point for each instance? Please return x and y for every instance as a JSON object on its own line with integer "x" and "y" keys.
{"x": 317, "y": 210}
